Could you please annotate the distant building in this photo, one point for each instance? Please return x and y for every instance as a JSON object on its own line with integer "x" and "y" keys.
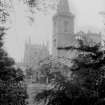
{"x": 63, "y": 36}
{"x": 90, "y": 37}
{"x": 33, "y": 54}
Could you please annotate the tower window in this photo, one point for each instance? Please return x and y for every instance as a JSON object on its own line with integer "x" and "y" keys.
{"x": 54, "y": 42}
{"x": 66, "y": 26}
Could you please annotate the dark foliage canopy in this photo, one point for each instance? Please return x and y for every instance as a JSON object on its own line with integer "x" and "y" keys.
{"x": 12, "y": 87}
{"x": 88, "y": 83}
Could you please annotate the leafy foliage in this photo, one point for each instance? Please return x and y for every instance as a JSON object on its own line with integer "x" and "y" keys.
{"x": 41, "y": 4}
{"x": 12, "y": 87}
{"x": 89, "y": 67}
{"x": 62, "y": 91}
{"x": 54, "y": 95}
{"x": 51, "y": 69}
{"x": 87, "y": 85}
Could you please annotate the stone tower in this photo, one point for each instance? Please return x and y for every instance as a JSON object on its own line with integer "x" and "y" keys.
{"x": 63, "y": 28}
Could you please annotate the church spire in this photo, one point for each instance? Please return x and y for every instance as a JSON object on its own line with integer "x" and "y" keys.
{"x": 63, "y": 6}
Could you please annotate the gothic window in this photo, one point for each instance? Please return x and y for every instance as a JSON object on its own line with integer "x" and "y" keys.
{"x": 66, "y": 26}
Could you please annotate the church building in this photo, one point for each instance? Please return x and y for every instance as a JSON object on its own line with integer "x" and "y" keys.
{"x": 63, "y": 31}
{"x": 63, "y": 36}
{"x": 63, "y": 28}
{"x": 34, "y": 53}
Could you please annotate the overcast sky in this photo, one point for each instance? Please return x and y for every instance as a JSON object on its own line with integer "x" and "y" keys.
{"x": 86, "y": 17}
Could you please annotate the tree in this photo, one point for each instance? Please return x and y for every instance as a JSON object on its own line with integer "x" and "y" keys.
{"x": 12, "y": 88}
{"x": 40, "y": 4}
{"x": 88, "y": 69}
{"x": 84, "y": 88}
{"x": 43, "y": 6}
{"x": 31, "y": 7}
{"x": 87, "y": 85}
{"x": 50, "y": 68}
{"x": 61, "y": 90}
{"x": 89, "y": 66}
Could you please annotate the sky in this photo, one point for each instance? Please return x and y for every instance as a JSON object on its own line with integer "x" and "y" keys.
{"x": 87, "y": 17}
